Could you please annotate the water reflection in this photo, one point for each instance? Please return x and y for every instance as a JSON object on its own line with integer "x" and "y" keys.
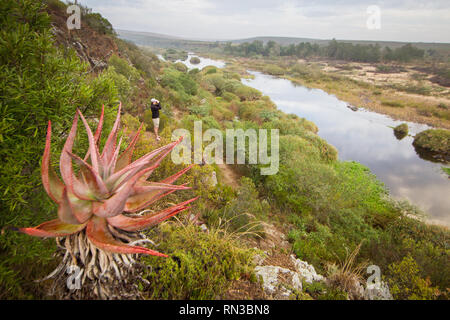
{"x": 368, "y": 138}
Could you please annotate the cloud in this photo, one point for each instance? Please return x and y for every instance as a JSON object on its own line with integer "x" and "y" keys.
{"x": 404, "y": 20}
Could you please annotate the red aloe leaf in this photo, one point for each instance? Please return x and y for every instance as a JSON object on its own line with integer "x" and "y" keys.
{"x": 98, "y": 132}
{"x": 109, "y": 168}
{"x": 122, "y": 176}
{"x": 125, "y": 158}
{"x": 66, "y": 169}
{"x": 144, "y": 195}
{"x": 110, "y": 144}
{"x": 52, "y": 184}
{"x": 138, "y": 223}
{"x": 65, "y": 213}
{"x": 53, "y": 228}
{"x": 98, "y": 233}
{"x": 134, "y": 205}
{"x": 173, "y": 178}
{"x": 158, "y": 161}
{"x": 148, "y": 186}
{"x": 91, "y": 177}
{"x": 140, "y": 201}
{"x": 93, "y": 149}
{"x": 114, "y": 205}
{"x": 73, "y": 210}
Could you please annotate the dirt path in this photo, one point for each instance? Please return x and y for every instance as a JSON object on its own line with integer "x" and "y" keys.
{"x": 229, "y": 176}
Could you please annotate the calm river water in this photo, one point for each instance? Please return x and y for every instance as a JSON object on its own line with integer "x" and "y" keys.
{"x": 363, "y": 136}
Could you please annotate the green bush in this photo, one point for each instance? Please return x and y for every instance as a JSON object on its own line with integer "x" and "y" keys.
{"x": 244, "y": 213}
{"x": 434, "y": 140}
{"x": 247, "y": 93}
{"x": 195, "y": 60}
{"x": 201, "y": 267}
{"x": 394, "y": 104}
{"x": 401, "y": 131}
{"x": 203, "y": 110}
{"x": 406, "y": 284}
{"x": 122, "y": 67}
{"x": 181, "y": 67}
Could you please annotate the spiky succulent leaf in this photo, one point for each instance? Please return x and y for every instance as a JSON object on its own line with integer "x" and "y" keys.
{"x": 98, "y": 233}
{"x": 51, "y": 182}
{"x": 139, "y": 223}
{"x": 53, "y": 228}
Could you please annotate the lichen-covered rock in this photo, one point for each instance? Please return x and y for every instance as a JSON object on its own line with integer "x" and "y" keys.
{"x": 306, "y": 271}
{"x": 278, "y": 282}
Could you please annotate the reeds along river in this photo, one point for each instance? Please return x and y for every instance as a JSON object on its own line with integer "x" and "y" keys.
{"x": 366, "y": 137}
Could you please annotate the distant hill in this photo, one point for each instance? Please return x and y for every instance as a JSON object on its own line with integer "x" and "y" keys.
{"x": 159, "y": 40}
{"x": 166, "y": 41}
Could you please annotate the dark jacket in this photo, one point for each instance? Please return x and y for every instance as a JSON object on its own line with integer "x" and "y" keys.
{"x": 155, "y": 110}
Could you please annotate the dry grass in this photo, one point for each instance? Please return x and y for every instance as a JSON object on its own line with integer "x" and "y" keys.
{"x": 348, "y": 274}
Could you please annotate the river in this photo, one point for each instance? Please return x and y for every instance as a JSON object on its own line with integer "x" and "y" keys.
{"x": 363, "y": 136}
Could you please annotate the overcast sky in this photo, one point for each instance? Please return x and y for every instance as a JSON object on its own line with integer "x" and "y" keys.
{"x": 407, "y": 20}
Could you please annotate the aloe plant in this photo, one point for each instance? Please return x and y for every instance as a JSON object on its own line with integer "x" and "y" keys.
{"x": 97, "y": 226}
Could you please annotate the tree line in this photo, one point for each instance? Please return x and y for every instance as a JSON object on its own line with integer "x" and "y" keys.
{"x": 334, "y": 50}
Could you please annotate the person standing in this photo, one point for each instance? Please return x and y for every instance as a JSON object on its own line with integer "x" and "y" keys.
{"x": 155, "y": 106}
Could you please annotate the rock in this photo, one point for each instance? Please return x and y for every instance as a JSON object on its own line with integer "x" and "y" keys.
{"x": 353, "y": 108}
{"x": 258, "y": 259}
{"x": 377, "y": 291}
{"x": 306, "y": 271}
{"x": 278, "y": 282}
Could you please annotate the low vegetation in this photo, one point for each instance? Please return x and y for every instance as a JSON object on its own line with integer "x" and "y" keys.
{"x": 338, "y": 50}
{"x": 434, "y": 140}
{"x": 195, "y": 60}
{"x": 401, "y": 131}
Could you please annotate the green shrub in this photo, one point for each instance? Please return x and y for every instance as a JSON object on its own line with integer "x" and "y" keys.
{"x": 228, "y": 96}
{"x": 243, "y": 213}
{"x": 394, "y": 104}
{"x": 121, "y": 83}
{"x": 406, "y": 284}
{"x": 202, "y": 264}
{"x": 181, "y": 67}
{"x": 96, "y": 21}
{"x": 247, "y": 93}
{"x": 401, "y": 131}
{"x": 273, "y": 70}
{"x": 195, "y": 60}
{"x": 122, "y": 67}
{"x": 203, "y": 110}
{"x": 434, "y": 140}
{"x": 209, "y": 70}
